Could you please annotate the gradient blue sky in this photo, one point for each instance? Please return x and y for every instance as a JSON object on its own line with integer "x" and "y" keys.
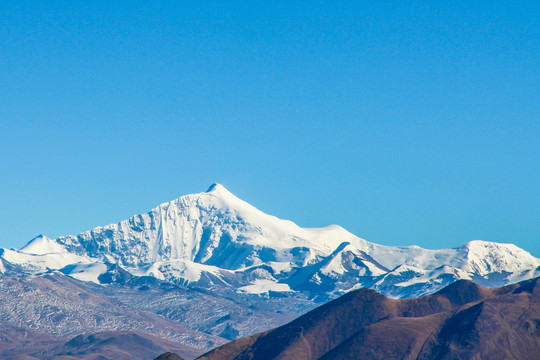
{"x": 405, "y": 123}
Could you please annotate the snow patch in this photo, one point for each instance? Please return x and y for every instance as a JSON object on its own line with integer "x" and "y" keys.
{"x": 262, "y": 286}
{"x": 88, "y": 272}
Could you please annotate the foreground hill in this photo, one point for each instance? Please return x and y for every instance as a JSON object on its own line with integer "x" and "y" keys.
{"x": 462, "y": 321}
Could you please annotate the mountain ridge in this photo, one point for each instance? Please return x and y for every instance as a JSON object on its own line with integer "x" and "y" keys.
{"x": 214, "y": 239}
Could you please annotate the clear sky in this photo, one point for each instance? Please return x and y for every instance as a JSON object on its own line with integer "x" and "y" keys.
{"x": 404, "y": 122}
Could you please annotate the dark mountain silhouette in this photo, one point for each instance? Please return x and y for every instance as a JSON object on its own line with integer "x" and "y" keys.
{"x": 462, "y": 321}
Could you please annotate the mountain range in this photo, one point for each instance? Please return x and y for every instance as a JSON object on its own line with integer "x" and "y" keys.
{"x": 207, "y": 268}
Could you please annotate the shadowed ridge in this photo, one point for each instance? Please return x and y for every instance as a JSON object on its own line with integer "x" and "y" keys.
{"x": 531, "y": 286}
{"x": 215, "y": 187}
{"x": 506, "y": 326}
{"x": 458, "y": 330}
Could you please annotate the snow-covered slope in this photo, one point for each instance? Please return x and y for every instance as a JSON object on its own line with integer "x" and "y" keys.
{"x": 218, "y": 241}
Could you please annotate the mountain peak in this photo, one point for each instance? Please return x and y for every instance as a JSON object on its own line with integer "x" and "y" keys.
{"x": 220, "y": 191}
{"x": 41, "y": 245}
{"x": 216, "y": 187}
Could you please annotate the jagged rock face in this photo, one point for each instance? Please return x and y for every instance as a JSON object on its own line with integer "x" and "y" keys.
{"x": 214, "y": 240}
{"x": 462, "y": 321}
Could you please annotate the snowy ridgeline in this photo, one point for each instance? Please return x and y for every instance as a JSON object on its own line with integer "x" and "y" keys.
{"x": 213, "y": 240}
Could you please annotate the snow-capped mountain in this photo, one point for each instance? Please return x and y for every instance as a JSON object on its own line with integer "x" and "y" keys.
{"x": 214, "y": 240}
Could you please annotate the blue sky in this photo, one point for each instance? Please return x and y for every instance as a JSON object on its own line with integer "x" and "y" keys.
{"x": 404, "y": 123}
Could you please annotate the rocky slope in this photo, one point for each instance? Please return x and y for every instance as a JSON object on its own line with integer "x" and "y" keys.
{"x": 38, "y": 313}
